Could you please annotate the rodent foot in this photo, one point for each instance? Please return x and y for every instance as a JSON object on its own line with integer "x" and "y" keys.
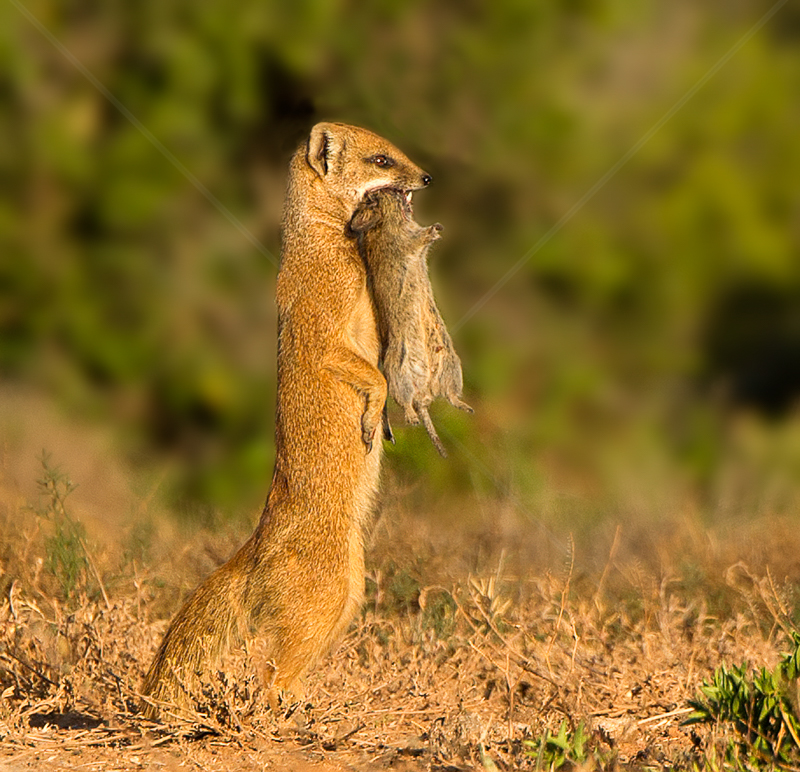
{"x": 456, "y": 402}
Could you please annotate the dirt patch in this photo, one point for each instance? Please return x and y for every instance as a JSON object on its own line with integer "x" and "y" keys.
{"x": 448, "y": 667}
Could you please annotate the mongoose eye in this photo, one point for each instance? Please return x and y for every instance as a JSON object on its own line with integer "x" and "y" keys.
{"x": 382, "y": 160}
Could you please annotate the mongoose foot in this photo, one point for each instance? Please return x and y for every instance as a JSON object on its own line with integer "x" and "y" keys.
{"x": 369, "y": 425}
{"x": 368, "y": 438}
{"x": 286, "y": 704}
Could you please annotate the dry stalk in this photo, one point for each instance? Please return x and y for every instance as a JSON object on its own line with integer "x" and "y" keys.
{"x": 562, "y": 606}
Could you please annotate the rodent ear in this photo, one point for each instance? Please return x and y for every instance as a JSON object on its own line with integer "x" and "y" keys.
{"x": 365, "y": 219}
{"x": 322, "y": 148}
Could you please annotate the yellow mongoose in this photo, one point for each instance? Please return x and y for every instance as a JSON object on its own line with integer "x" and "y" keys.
{"x": 419, "y": 360}
{"x": 298, "y": 580}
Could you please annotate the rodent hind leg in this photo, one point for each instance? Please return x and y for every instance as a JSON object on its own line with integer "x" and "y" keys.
{"x": 411, "y": 414}
{"x": 449, "y": 381}
{"x": 460, "y": 404}
{"x": 400, "y": 379}
{"x": 366, "y": 379}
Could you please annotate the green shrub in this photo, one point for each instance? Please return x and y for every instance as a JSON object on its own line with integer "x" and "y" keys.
{"x": 763, "y": 707}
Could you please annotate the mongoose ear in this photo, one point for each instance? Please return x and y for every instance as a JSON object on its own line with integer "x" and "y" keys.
{"x": 323, "y": 147}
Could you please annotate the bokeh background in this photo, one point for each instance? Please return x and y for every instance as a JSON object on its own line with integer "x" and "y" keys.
{"x": 642, "y": 364}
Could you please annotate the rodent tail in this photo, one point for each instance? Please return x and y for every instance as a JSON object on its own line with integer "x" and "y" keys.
{"x": 422, "y": 411}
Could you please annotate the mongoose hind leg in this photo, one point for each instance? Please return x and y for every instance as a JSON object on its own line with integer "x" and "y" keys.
{"x": 304, "y": 637}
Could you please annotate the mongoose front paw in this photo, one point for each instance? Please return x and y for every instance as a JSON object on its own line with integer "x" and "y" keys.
{"x": 368, "y": 435}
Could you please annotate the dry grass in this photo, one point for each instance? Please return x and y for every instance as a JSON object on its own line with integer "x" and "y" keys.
{"x": 467, "y": 649}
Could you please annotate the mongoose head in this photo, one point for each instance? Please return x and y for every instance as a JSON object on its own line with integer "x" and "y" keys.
{"x": 352, "y": 162}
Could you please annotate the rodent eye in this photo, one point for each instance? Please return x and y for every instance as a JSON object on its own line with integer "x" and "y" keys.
{"x": 382, "y": 160}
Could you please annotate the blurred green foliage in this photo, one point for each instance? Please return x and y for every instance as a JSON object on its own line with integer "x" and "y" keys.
{"x": 613, "y": 355}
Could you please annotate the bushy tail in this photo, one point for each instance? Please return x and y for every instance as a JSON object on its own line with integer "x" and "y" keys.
{"x": 208, "y": 625}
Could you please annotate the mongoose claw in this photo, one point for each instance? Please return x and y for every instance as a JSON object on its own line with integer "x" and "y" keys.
{"x": 388, "y": 434}
{"x": 368, "y": 436}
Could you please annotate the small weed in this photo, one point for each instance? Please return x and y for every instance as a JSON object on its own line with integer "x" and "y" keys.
{"x": 763, "y": 708}
{"x": 487, "y": 597}
{"x": 140, "y": 542}
{"x": 732, "y": 757}
{"x": 402, "y": 591}
{"x": 568, "y": 748}
{"x": 438, "y": 613}
{"x": 66, "y": 556}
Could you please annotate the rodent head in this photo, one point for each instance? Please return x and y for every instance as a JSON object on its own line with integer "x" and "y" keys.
{"x": 390, "y": 208}
{"x": 351, "y": 162}
{"x": 386, "y": 232}
{"x": 383, "y": 205}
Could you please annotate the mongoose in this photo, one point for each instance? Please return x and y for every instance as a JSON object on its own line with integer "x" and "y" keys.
{"x": 418, "y": 357}
{"x": 298, "y": 580}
